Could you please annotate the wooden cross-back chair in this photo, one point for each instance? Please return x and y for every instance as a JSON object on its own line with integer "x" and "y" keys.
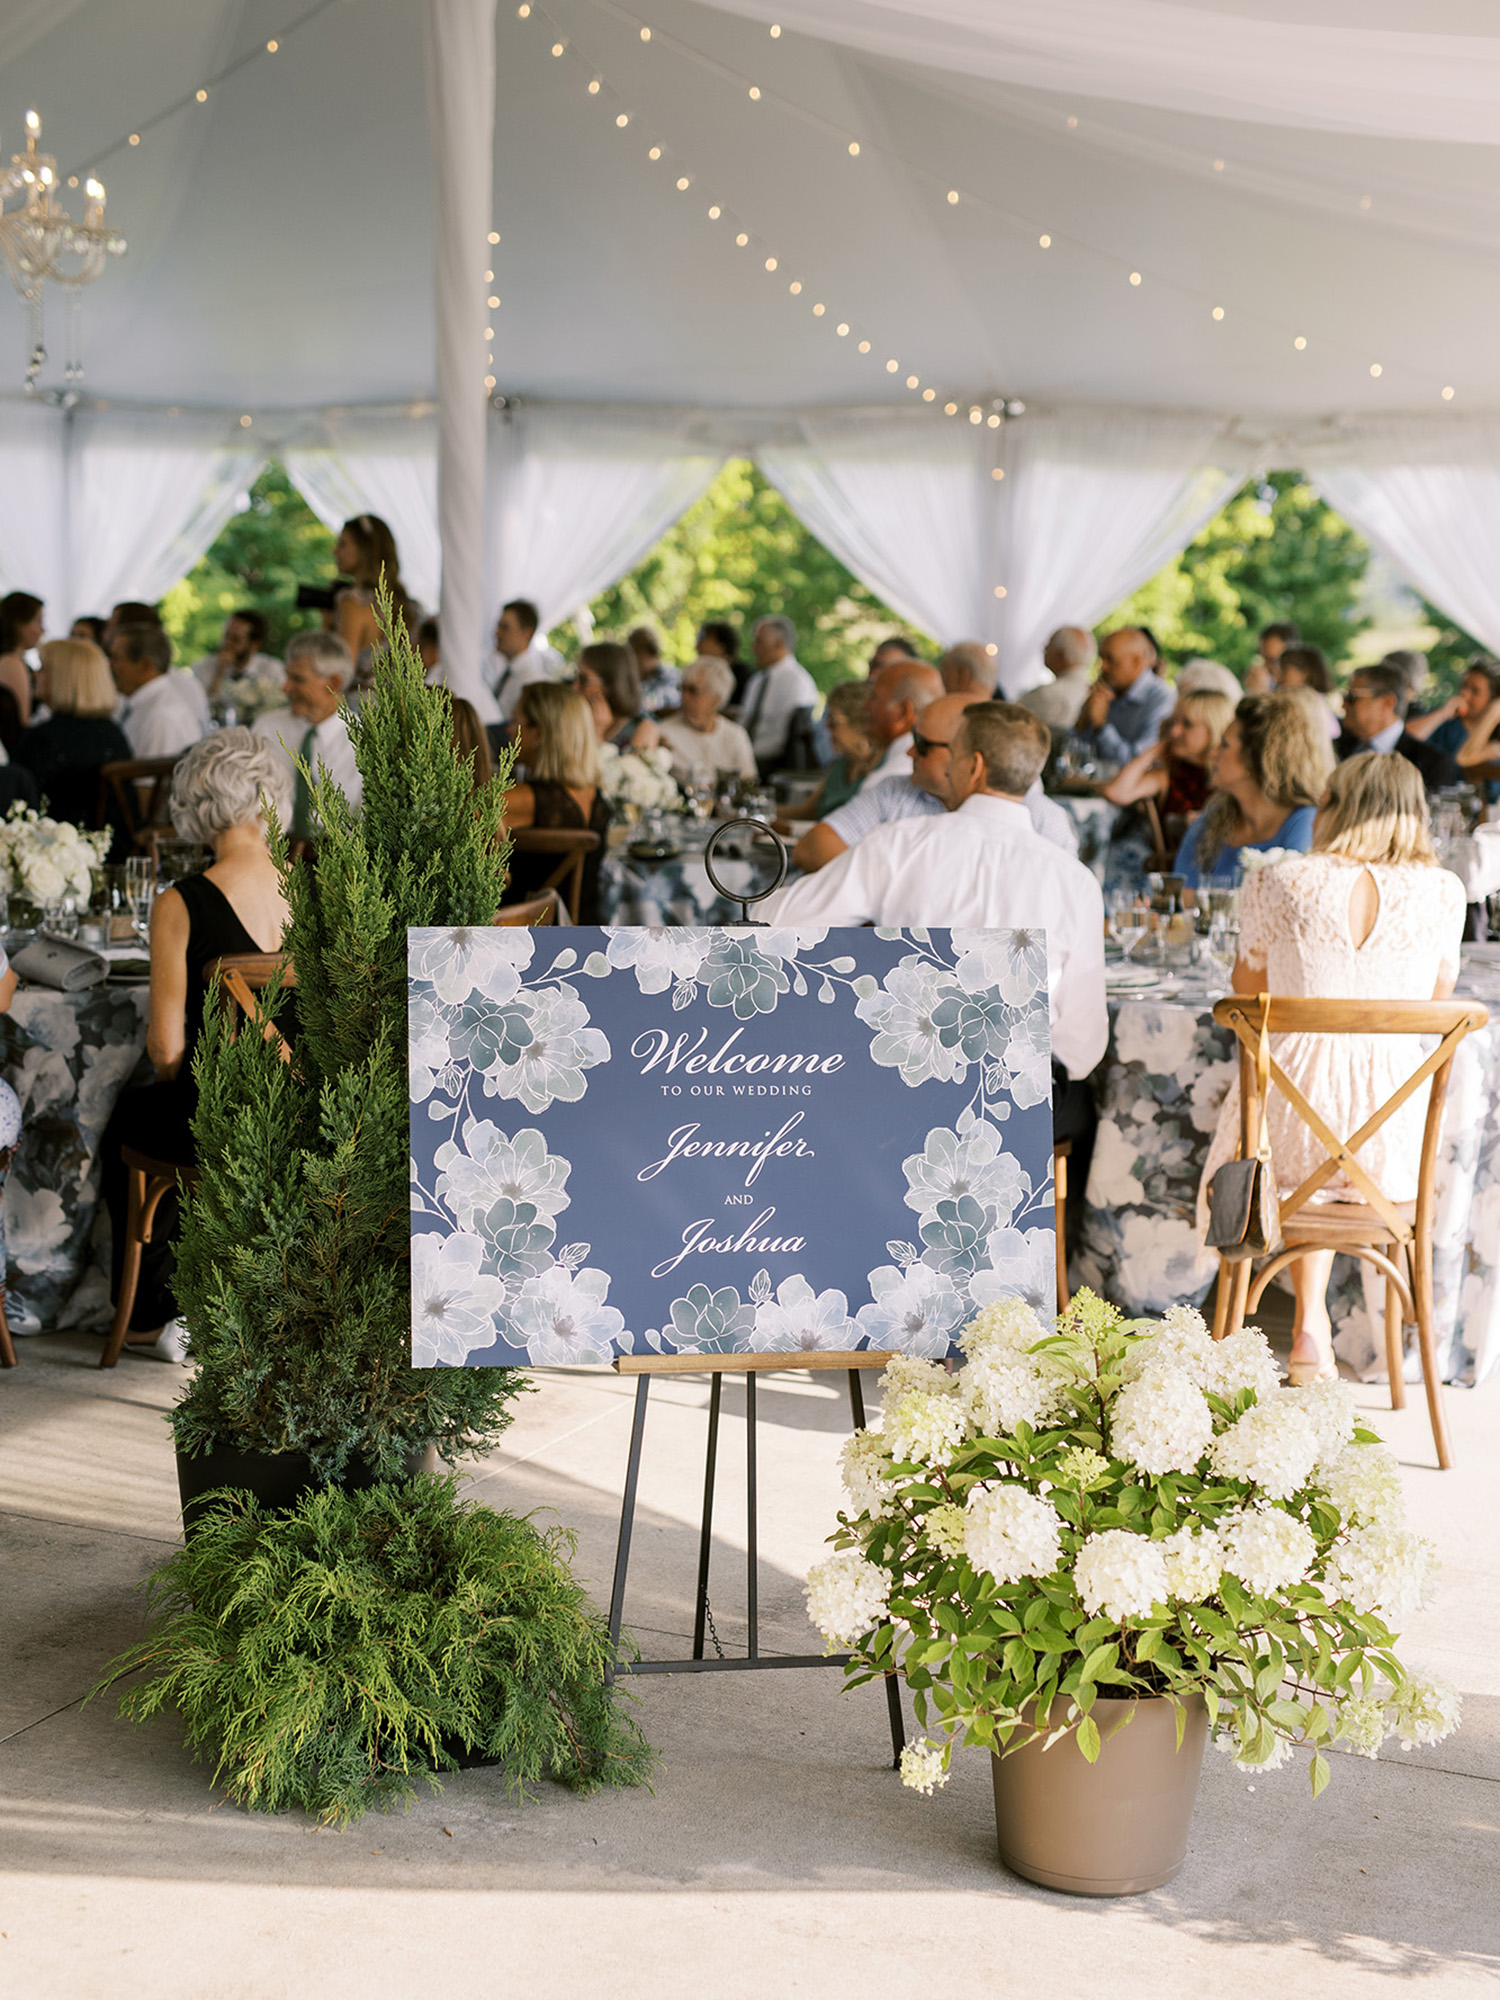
{"x": 572, "y": 845}
{"x": 1395, "y": 1237}
{"x": 242, "y": 977}
{"x": 141, "y": 788}
{"x": 543, "y": 909}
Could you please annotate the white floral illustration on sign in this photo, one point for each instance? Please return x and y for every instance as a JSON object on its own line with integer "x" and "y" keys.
{"x": 549, "y": 1066}
{"x": 453, "y": 1302}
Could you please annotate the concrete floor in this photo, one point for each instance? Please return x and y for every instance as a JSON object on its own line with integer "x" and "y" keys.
{"x": 777, "y": 1853}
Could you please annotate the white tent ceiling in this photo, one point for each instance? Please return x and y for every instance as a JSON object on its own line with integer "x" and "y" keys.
{"x": 280, "y": 232}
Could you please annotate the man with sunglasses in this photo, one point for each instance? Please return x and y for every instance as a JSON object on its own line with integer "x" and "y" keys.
{"x": 1375, "y": 705}
{"x": 919, "y": 794}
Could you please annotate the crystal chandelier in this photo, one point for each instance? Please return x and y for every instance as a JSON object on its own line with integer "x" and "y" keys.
{"x": 40, "y": 243}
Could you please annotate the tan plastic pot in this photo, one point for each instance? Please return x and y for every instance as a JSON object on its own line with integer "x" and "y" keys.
{"x": 1112, "y": 1828}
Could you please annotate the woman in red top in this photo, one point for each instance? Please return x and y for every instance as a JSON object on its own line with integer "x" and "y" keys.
{"x": 1174, "y": 771}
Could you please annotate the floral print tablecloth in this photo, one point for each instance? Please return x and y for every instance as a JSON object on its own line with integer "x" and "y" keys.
{"x": 1159, "y": 1089}
{"x": 67, "y": 1056}
{"x": 676, "y": 890}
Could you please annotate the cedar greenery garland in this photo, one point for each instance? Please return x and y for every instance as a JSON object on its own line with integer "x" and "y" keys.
{"x": 328, "y": 1657}
{"x": 294, "y": 1268}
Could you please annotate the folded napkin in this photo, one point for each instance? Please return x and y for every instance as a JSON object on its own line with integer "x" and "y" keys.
{"x": 54, "y": 961}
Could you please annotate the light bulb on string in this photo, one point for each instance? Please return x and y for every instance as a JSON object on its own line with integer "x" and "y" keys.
{"x": 1045, "y": 242}
{"x": 864, "y": 347}
{"x": 623, "y": 120}
{"x": 1448, "y": 394}
{"x": 1300, "y": 342}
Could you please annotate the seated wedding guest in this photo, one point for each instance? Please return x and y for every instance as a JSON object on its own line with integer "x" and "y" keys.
{"x": 1260, "y": 675}
{"x": 1068, "y": 657}
{"x": 611, "y": 685}
{"x": 560, "y": 750}
{"x": 780, "y": 690}
{"x": 127, "y": 612}
{"x": 969, "y": 668}
{"x": 921, "y": 796}
{"x": 981, "y": 863}
{"x": 899, "y": 691}
{"x": 313, "y": 728}
{"x": 518, "y": 660}
{"x": 846, "y": 715}
{"x": 660, "y": 683}
{"x": 221, "y": 792}
{"x": 1268, "y": 774}
{"x": 365, "y": 557}
{"x": 703, "y": 742}
{"x": 239, "y": 658}
{"x": 471, "y": 740}
{"x": 1174, "y": 772}
{"x": 718, "y": 639}
{"x": 1124, "y": 710}
{"x": 89, "y": 628}
{"x": 64, "y": 753}
{"x": 429, "y": 648}
{"x": 1459, "y": 723}
{"x": 20, "y": 630}
{"x": 1305, "y": 666}
{"x": 1375, "y": 705}
{"x": 1367, "y": 915}
{"x": 1200, "y": 676}
{"x": 163, "y": 712}
{"x": 897, "y": 647}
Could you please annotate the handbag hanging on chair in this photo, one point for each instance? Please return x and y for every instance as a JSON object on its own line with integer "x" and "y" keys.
{"x": 1244, "y": 1212}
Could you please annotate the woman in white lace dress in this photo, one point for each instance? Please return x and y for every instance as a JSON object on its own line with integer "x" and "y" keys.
{"x": 1367, "y": 915}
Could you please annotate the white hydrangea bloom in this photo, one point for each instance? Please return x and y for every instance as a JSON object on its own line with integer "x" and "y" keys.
{"x": 1181, "y": 1341}
{"x": 923, "y": 1428}
{"x": 922, "y": 1767}
{"x": 1329, "y": 1408}
{"x": 1120, "y": 1574}
{"x": 1161, "y": 1422}
{"x": 1425, "y": 1710}
{"x": 846, "y": 1596}
{"x": 905, "y": 1372}
{"x": 1244, "y": 1361}
{"x": 1266, "y": 1548}
{"x": 864, "y": 1463}
{"x": 1363, "y": 1724}
{"x": 945, "y": 1529}
{"x": 1384, "y": 1570}
{"x": 1273, "y": 1446}
{"x": 1195, "y": 1562}
{"x": 1000, "y": 1390}
{"x": 1008, "y": 1325}
{"x": 1364, "y": 1483}
{"x": 1279, "y": 1753}
{"x": 1010, "y": 1533}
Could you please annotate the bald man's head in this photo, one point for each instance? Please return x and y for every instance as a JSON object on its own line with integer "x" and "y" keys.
{"x": 1070, "y": 650}
{"x": 1124, "y": 656}
{"x": 898, "y": 694}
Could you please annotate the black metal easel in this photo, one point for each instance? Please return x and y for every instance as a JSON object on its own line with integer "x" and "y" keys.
{"x": 644, "y": 1367}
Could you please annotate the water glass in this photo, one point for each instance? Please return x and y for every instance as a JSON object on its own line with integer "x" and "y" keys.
{"x": 1129, "y": 924}
{"x": 140, "y": 887}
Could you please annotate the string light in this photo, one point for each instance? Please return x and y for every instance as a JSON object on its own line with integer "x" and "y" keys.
{"x": 775, "y": 31}
{"x": 492, "y": 301}
{"x": 645, "y": 34}
{"x": 950, "y": 409}
{"x": 892, "y": 367}
{"x": 1300, "y": 342}
{"x": 795, "y": 287}
{"x": 854, "y": 149}
{"x": 742, "y": 239}
{"x": 770, "y": 263}
{"x": 998, "y": 472}
{"x": 683, "y": 183}
{"x": 819, "y": 310}
{"x": 1045, "y": 242}
{"x": 715, "y": 212}
{"x": 864, "y": 347}
{"x": 1000, "y": 590}
{"x": 623, "y": 120}
{"x": 272, "y": 47}
{"x": 754, "y": 94}
{"x": 524, "y": 10}
{"x": 559, "y": 48}
{"x": 593, "y": 86}
{"x": 993, "y": 422}
{"x": 929, "y": 395}
{"x": 1448, "y": 394}
{"x": 1218, "y": 312}
{"x": 245, "y": 423}
{"x": 913, "y": 382}
{"x": 135, "y": 138}
{"x": 953, "y": 197}
{"x": 1135, "y": 277}
{"x": 654, "y": 154}
{"x": 1376, "y": 369}
{"x": 202, "y": 96}
{"x": 494, "y": 236}
{"x": 1072, "y": 124}
{"x": 1218, "y": 166}
{"x": 842, "y": 328}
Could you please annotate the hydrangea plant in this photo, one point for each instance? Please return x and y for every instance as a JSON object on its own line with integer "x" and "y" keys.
{"x": 1127, "y": 1509}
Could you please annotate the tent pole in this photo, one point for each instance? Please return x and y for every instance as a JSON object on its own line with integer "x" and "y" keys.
{"x": 461, "y": 118}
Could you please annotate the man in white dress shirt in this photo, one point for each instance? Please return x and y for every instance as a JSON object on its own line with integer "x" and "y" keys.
{"x": 518, "y": 660}
{"x": 778, "y": 688}
{"x": 899, "y": 691}
{"x": 920, "y": 794}
{"x": 312, "y": 729}
{"x": 239, "y": 658}
{"x": 983, "y": 866}
{"x": 163, "y": 711}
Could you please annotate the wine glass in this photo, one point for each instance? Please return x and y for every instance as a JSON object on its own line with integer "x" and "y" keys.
{"x": 1223, "y": 946}
{"x": 1128, "y": 924}
{"x": 140, "y": 887}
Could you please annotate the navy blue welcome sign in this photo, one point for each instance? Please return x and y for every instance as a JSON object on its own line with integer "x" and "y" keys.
{"x": 708, "y": 1141}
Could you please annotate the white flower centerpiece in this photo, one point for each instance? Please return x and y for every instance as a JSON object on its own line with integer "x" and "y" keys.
{"x": 638, "y": 780}
{"x": 46, "y": 860}
{"x": 1119, "y": 1511}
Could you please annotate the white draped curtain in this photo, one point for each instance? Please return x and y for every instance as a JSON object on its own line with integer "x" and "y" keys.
{"x": 1426, "y": 493}
{"x": 381, "y": 462}
{"x": 146, "y": 495}
{"x": 1002, "y": 535}
{"x": 33, "y": 506}
{"x": 577, "y": 497}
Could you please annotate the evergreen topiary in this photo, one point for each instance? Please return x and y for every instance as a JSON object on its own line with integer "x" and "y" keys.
{"x": 329, "y": 1656}
{"x": 294, "y": 1268}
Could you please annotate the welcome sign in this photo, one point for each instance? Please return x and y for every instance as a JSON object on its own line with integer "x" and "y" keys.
{"x": 708, "y": 1141}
